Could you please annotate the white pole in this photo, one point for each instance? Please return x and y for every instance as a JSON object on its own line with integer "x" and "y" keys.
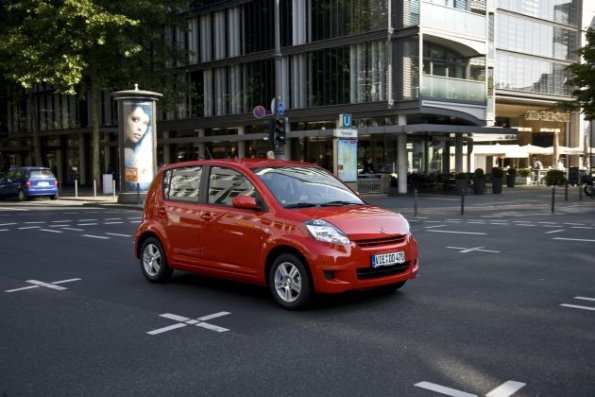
{"x": 76, "y": 188}
{"x": 94, "y": 188}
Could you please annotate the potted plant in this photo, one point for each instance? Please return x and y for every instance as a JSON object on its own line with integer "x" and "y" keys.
{"x": 555, "y": 178}
{"x": 462, "y": 183}
{"x": 510, "y": 177}
{"x": 479, "y": 181}
{"x": 497, "y": 175}
{"x": 523, "y": 176}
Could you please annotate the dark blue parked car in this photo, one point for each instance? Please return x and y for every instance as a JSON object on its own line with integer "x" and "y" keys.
{"x": 26, "y": 182}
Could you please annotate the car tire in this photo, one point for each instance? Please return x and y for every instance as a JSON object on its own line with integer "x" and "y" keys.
{"x": 588, "y": 190}
{"x": 153, "y": 262}
{"x": 21, "y": 195}
{"x": 289, "y": 282}
{"x": 55, "y": 196}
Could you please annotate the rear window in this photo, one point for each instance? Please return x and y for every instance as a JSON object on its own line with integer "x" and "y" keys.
{"x": 41, "y": 174}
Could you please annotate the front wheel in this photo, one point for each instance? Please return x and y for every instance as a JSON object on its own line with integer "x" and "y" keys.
{"x": 588, "y": 190}
{"x": 153, "y": 262}
{"x": 289, "y": 282}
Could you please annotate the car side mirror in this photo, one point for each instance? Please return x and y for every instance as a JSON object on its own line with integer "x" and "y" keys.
{"x": 245, "y": 202}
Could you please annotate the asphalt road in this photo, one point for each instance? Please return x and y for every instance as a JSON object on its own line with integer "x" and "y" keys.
{"x": 504, "y": 305}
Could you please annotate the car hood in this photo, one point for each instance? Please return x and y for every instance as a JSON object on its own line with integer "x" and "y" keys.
{"x": 362, "y": 221}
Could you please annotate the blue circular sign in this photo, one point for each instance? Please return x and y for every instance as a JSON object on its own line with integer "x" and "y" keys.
{"x": 280, "y": 108}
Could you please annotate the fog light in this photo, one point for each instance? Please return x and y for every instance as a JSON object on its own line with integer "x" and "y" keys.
{"x": 329, "y": 274}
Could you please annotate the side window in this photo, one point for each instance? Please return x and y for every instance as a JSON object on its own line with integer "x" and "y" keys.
{"x": 182, "y": 184}
{"x": 225, "y": 184}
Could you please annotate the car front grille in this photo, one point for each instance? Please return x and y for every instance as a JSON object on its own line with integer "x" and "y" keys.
{"x": 388, "y": 240}
{"x": 369, "y": 273}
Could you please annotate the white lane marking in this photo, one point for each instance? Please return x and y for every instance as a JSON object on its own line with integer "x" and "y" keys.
{"x": 184, "y": 321}
{"x": 29, "y": 227}
{"x": 7, "y": 224}
{"x": 584, "y": 298}
{"x": 464, "y": 250}
{"x": 506, "y": 389}
{"x": 526, "y": 224}
{"x": 50, "y": 230}
{"x": 578, "y": 307}
{"x": 573, "y": 224}
{"x": 37, "y": 284}
{"x": 13, "y": 209}
{"x": 119, "y": 234}
{"x": 113, "y": 219}
{"x": 33, "y": 223}
{"x": 456, "y": 232}
{"x": 574, "y": 239}
{"x": 554, "y": 231}
{"x": 62, "y": 225}
{"x": 88, "y": 220}
{"x": 432, "y": 227}
{"x": 112, "y": 222}
{"x": 444, "y": 390}
{"x": 87, "y": 224}
{"x": 95, "y": 236}
{"x": 582, "y": 227}
{"x": 74, "y": 229}
{"x": 63, "y": 221}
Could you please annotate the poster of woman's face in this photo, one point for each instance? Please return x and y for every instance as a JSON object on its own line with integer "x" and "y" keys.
{"x": 138, "y": 145}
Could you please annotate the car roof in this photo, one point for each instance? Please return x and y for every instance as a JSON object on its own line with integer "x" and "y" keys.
{"x": 31, "y": 168}
{"x": 243, "y": 163}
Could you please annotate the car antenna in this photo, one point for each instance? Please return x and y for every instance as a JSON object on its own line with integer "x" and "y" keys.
{"x": 209, "y": 153}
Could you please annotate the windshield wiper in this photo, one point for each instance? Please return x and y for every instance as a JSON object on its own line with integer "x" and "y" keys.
{"x": 300, "y": 205}
{"x": 338, "y": 203}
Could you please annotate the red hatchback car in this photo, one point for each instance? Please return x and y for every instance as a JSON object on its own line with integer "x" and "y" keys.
{"x": 292, "y": 226}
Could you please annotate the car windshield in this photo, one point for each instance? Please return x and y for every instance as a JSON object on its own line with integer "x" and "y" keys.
{"x": 304, "y": 186}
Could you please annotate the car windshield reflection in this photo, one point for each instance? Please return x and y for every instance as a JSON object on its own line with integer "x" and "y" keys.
{"x": 304, "y": 186}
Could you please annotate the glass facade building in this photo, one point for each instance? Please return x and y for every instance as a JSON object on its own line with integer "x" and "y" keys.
{"x": 421, "y": 79}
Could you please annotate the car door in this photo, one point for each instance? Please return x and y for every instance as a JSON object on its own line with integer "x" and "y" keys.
{"x": 9, "y": 184}
{"x": 180, "y": 214}
{"x": 232, "y": 237}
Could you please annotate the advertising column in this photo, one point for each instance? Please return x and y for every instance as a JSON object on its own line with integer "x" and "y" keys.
{"x": 137, "y": 142}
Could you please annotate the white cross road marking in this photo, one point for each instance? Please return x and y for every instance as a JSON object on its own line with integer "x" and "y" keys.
{"x": 112, "y": 222}
{"x": 50, "y": 230}
{"x": 435, "y": 226}
{"x": 506, "y": 389}
{"x": 464, "y": 250}
{"x": 456, "y": 232}
{"x": 7, "y": 224}
{"x": 574, "y": 239}
{"x": 33, "y": 223}
{"x": 582, "y": 227}
{"x": 37, "y": 284}
{"x": 87, "y": 224}
{"x": 74, "y": 229}
{"x": 583, "y": 298}
{"x": 29, "y": 227}
{"x": 184, "y": 321}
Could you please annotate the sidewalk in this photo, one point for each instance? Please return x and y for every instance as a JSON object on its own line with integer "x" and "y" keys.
{"x": 520, "y": 200}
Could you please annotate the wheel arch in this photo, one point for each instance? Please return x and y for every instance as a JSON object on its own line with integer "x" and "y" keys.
{"x": 284, "y": 249}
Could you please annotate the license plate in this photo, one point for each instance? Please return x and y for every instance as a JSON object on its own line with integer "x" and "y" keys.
{"x": 391, "y": 258}
{"x": 43, "y": 184}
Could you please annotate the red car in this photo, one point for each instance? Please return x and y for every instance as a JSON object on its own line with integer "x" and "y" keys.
{"x": 289, "y": 225}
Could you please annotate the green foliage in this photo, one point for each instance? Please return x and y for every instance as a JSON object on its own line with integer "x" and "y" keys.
{"x": 479, "y": 174}
{"x": 497, "y": 172}
{"x": 511, "y": 171}
{"x": 524, "y": 172}
{"x": 555, "y": 177}
{"x": 583, "y": 79}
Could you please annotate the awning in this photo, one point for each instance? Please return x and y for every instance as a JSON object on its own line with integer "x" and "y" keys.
{"x": 509, "y": 151}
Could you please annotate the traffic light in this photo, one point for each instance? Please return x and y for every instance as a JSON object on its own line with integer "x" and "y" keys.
{"x": 280, "y": 130}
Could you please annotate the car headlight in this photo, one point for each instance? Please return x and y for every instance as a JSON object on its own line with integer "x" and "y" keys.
{"x": 324, "y": 231}
{"x": 406, "y": 222}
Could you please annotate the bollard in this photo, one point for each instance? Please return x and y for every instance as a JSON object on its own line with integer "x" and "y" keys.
{"x": 462, "y": 202}
{"x": 94, "y": 188}
{"x": 114, "y": 188}
{"x": 566, "y": 192}
{"x": 138, "y": 193}
{"x": 580, "y": 192}
{"x": 553, "y": 198}
{"x": 415, "y": 202}
{"x": 76, "y": 188}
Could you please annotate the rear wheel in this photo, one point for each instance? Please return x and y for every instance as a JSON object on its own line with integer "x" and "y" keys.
{"x": 289, "y": 282}
{"x": 588, "y": 190}
{"x": 153, "y": 262}
{"x": 22, "y": 196}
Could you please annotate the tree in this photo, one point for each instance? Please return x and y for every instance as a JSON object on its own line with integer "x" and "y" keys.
{"x": 583, "y": 78}
{"x": 81, "y": 47}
